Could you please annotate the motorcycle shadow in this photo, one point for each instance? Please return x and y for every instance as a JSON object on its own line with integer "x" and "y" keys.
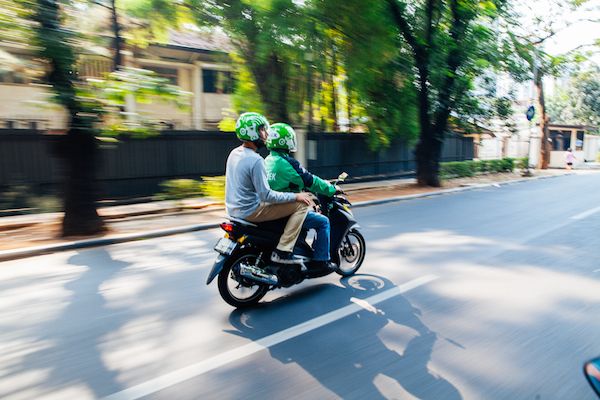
{"x": 349, "y": 357}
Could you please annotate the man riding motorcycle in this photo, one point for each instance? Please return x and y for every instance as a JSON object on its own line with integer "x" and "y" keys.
{"x": 247, "y": 193}
{"x": 285, "y": 174}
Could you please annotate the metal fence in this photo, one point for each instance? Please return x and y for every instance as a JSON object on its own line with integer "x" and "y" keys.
{"x": 329, "y": 154}
{"x": 130, "y": 168}
{"x": 136, "y": 167}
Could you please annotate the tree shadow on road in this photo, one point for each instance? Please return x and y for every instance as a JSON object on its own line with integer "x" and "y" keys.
{"x": 349, "y": 357}
{"x": 74, "y": 356}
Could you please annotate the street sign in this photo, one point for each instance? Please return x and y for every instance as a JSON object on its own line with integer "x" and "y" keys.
{"x": 530, "y": 113}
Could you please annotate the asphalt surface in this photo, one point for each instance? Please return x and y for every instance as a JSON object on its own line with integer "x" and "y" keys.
{"x": 487, "y": 294}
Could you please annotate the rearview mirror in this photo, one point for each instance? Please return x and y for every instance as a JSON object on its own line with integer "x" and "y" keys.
{"x": 342, "y": 177}
{"x": 591, "y": 369}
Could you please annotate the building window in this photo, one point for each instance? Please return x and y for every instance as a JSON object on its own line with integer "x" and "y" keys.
{"x": 579, "y": 144}
{"x": 561, "y": 140}
{"x": 168, "y": 73}
{"x": 215, "y": 81}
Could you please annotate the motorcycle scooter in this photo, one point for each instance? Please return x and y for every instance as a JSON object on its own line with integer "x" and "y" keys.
{"x": 243, "y": 266}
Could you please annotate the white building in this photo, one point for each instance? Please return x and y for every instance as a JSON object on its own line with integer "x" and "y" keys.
{"x": 198, "y": 62}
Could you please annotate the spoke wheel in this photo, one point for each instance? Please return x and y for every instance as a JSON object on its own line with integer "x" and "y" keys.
{"x": 237, "y": 290}
{"x": 352, "y": 253}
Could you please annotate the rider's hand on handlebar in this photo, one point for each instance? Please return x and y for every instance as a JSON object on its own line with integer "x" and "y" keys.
{"x": 338, "y": 190}
{"x": 304, "y": 197}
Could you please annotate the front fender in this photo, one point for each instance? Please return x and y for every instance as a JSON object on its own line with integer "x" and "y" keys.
{"x": 217, "y": 267}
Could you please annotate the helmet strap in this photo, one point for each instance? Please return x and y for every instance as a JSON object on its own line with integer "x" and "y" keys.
{"x": 259, "y": 144}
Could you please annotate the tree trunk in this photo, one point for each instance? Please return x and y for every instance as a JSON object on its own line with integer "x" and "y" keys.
{"x": 81, "y": 161}
{"x": 349, "y": 105}
{"x": 78, "y": 150}
{"x": 545, "y": 144}
{"x": 271, "y": 79}
{"x": 117, "y": 39}
{"x": 310, "y": 94}
{"x": 428, "y": 149}
{"x": 428, "y": 154}
{"x": 333, "y": 114}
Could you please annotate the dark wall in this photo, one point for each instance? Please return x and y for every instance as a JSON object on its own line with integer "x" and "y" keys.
{"x": 340, "y": 152}
{"x": 136, "y": 167}
{"x": 132, "y": 167}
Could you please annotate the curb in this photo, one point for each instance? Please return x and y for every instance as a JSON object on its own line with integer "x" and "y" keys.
{"x": 6, "y": 255}
{"x": 448, "y": 191}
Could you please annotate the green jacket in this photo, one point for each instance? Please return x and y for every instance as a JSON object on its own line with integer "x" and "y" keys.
{"x": 285, "y": 174}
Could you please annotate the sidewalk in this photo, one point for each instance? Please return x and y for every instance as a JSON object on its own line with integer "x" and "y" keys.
{"x": 193, "y": 214}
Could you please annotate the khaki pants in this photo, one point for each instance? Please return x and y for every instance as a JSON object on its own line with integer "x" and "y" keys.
{"x": 270, "y": 212}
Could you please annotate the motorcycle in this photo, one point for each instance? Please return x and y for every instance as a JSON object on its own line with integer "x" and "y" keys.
{"x": 243, "y": 266}
{"x": 591, "y": 370}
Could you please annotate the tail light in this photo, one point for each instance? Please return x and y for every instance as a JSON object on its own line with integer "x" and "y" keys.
{"x": 227, "y": 227}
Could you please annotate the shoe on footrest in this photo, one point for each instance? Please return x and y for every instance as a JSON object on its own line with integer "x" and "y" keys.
{"x": 323, "y": 266}
{"x": 285, "y": 257}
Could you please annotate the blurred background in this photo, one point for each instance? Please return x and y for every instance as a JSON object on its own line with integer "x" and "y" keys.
{"x": 124, "y": 101}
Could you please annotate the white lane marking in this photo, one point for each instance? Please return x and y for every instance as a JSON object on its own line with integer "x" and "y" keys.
{"x": 586, "y": 214}
{"x": 194, "y": 370}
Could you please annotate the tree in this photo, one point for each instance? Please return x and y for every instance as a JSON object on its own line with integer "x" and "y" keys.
{"x": 578, "y": 102}
{"x": 79, "y": 150}
{"x": 425, "y": 58}
{"x": 261, "y": 32}
{"x": 93, "y": 108}
{"x": 528, "y": 31}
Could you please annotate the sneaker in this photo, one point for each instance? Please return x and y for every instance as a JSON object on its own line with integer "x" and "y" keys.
{"x": 284, "y": 257}
{"x": 323, "y": 266}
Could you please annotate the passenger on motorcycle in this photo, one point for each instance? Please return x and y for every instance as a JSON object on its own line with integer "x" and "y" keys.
{"x": 247, "y": 193}
{"x": 285, "y": 174}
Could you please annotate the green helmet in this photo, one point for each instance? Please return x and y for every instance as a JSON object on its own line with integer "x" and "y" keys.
{"x": 247, "y": 125}
{"x": 281, "y": 137}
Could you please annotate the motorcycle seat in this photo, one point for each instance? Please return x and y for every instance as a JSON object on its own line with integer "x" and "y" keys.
{"x": 274, "y": 226}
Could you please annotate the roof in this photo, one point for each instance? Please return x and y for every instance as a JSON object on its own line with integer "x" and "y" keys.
{"x": 567, "y": 126}
{"x": 201, "y": 40}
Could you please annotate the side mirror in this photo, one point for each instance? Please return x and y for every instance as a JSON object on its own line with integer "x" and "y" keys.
{"x": 342, "y": 177}
{"x": 591, "y": 369}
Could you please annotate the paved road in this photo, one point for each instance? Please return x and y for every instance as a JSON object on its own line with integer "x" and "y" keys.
{"x": 487, "y": 294}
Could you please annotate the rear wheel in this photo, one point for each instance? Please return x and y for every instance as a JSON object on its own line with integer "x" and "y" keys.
{"x": 239, "y": 291}
{"x": 352, "y": 253}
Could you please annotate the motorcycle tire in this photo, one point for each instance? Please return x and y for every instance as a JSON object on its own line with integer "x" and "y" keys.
{"x": 227, "y": 279}
{"x": 352, "y": 251}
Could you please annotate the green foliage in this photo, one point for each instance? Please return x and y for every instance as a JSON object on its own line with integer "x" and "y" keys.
{"x": 523, "y": 163}
{"x": 227, "y": 124}
{"x": 178, "y": 189}
{"x": 110, "y": 96}
{"x": 379, "y": 71}
{"x": 153, "y": 17}
{"x": 213, "y": 187}
{"x": 268, "y": 39}
{"x": 19, "y": 196}
{"x": 578, "y": 102}
{"x": 460, "y": 169}
{"x": 246, "y": 96}
{"x": 457, "y": 169}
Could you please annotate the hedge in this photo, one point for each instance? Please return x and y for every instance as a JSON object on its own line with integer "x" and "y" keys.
{"x": 459, "y": 169}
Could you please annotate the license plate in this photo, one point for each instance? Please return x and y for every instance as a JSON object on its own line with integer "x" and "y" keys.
{"x": 225, "y": 246}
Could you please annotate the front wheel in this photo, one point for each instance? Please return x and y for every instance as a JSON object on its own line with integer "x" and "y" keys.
{"x": 352, "y": 253}
{"x": 237, "y": 290}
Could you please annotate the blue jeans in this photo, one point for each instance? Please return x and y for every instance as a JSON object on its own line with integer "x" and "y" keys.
{"x": 320, "y": 245}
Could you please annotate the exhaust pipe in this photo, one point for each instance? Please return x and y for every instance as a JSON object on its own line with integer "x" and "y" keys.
{"x": 256, "y": 274}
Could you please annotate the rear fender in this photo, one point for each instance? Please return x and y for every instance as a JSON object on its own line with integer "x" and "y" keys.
{"x": 217, "y": 267}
